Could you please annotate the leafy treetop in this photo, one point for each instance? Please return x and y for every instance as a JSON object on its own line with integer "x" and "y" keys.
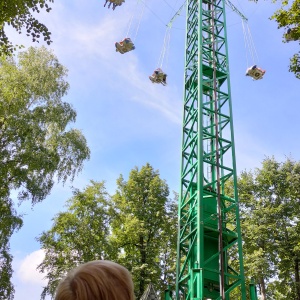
{"x": 20, "y": 14}
{"x": 37, "y": 145}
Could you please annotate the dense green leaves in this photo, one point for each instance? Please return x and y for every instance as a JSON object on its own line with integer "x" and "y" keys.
{"x": 9, "y": 222}
{"x": 295, "y": 65}
{"x": 136, "y": 227}
{"x": 20, "y": 15}
{"x": 36, "y": 144}
{"x": 270, "y": 209}
{"x": 143, "y": 226}
{"x": 78, "y": 235}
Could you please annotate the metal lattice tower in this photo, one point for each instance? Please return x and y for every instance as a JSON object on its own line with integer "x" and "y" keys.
{"x": 209, "y": 229}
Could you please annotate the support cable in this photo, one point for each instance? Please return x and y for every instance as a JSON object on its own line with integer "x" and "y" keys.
{"x": 249, "y": 44}
{"x": 165, "y": 48}
{"x": 167, "y": 38}
{"x": 254, "y": 52}
{"x": 139, "y": 21}
{"x": 153, "y": 13}
{"x": 131, "y": 19}
{"x": 245, "y": 42}
{"x": 136, "y": 27}
{"x": 170, "y": 5}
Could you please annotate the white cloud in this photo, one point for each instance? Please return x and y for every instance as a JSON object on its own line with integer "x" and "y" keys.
{"x": 91, "y": 44}
{"x": 27, "y": 272}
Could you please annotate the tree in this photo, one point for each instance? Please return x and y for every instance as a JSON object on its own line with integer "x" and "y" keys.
{"x": 270, "y": 223}
{"x": 10, "y": 222}
{"x": 288, "y": 16}
{"x": 78, "y": 235}
{"x": 256, "y": 232}
{"x": 141, "y": 227}
{"x": 136, "y": 227}
{"x": 35, "y": 145}
{"x": 19, "y": 15}
{"x": 168, "y": 255}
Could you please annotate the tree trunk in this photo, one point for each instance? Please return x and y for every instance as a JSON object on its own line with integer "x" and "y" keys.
{"x": 297, "y": 278}
{"x": 143, "y": 261}
{"x": 262, "y": 289}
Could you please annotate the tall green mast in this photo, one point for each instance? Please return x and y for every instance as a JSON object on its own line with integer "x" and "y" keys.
{"x": 209, "y": 228}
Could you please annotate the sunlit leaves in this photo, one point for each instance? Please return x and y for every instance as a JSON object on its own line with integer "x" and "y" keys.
{"x": 78, "y": 235}
{"x": 270, "y": 208}
{"x": 143, "y": 229}
{"x": 136, "y": 227}
{"x": 9, "y": 222}
{"x": 21, "y": 16}
{"x": 295, "y": 64}
{"x": 36, "y": 144}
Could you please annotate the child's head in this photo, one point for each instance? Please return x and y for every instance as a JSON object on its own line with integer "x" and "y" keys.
{"x": 96, "y": 280}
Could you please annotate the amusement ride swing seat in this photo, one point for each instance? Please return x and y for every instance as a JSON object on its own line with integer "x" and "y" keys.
{"x": 124, "y": 46}
{"x": 159, "y": 76}
{"x": 127, "y": 44}
{"x": 115, "y": 3}
{"x": 255, "y": 72}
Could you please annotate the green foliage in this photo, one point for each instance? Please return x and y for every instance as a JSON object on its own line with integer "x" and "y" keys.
{"x": 288, "y": 16}
{"x": 136, "y": 227}
{"x": 143, "y": 226}
{"x": 20, "y": 14}
{"x": 9, "y": 223}
{"x": 35, "y": 145}
{"x": 270, "y": 225}
{"x": 78, "y": 235}
{"x": 295, "y": 65}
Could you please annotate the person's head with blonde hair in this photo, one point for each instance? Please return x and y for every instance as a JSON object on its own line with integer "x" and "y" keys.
{"x": 96, "y": 280}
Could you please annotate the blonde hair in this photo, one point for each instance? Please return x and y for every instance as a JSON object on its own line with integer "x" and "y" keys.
{"x": 96, "y": 280}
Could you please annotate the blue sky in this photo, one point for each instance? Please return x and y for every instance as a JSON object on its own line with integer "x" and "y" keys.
{"x": 128, "y": 121}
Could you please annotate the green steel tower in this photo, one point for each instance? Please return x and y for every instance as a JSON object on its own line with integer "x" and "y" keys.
{"x": 209, "y": 229}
